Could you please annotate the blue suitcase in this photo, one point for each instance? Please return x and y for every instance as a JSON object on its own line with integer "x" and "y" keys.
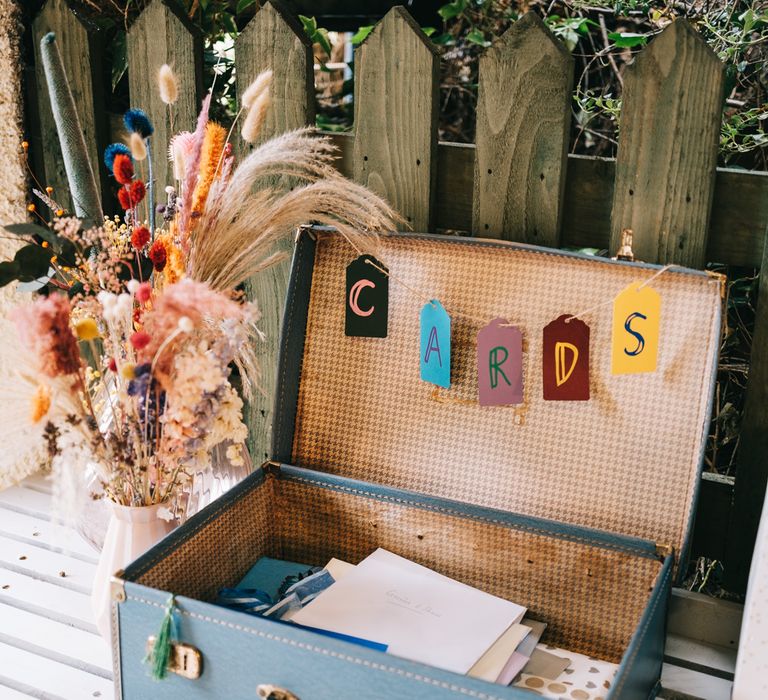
{"x": 579, "y": 510}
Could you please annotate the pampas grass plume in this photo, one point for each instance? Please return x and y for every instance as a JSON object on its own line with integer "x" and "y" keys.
{"x": 262, "y": 82}
{"x": 256, "y": 117}
{"x": 138, "y": 147}
{"x": 168, "y": 84}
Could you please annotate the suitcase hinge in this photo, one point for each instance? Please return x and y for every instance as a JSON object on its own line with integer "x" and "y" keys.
{"x": 185, "y": 660}
{"x": 117, "y": 586}
{"x": 664, "y": 550}
{"x": 271, "y": 468}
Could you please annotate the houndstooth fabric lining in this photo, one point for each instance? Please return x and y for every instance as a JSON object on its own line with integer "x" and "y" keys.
{"x": 591, "y": 598}
{"x": 625, "y": 462}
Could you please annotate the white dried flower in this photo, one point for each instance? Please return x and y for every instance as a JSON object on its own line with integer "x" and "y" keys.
{"x": 258, "y": 86}
{"x": 256, "y": 117}
{"x": 132, "y": 285}
{"x": 186, "y": 325}
{"x": 168, "y": 84}
{"x": 138, "y": 147}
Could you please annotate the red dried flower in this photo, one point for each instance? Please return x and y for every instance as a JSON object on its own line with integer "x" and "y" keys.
{"x": 140, "y": 237}
{"x": 144, "y": 292}
{"x": 158, "y": 255}
{"x": 122, "y": 169}
{"x": 124, "y": 197}
{"x": 112, "y": 365}
{"x": 138, "y": 190}
{"x": 140, "y": 340}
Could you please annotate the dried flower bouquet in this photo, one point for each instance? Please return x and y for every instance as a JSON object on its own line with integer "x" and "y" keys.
{"x": 127, "y": 358}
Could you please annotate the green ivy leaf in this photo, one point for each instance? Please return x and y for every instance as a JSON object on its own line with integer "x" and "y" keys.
{"x": 309, "y": 24}
{"x": 452, "y": 9}
{"x": 361, "y": 34}
{"x": 627, "y": 40}
{"x": 9, "y": 271}
{"x": 119, "y": 58}
{"x": 243, "y": 5}
{"x": 429, "y": 31}
{"x": 444, "y": 39}
{"x": 477, "y": 37}
{"x": 321, "y": 37}
{"x": 28, "y": 230}
{"x": 33, "y": 262}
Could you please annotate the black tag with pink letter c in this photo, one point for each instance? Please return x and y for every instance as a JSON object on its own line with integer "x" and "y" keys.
{"x": 367, "y": 302}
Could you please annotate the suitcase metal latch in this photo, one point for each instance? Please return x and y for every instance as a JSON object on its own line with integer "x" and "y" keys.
{"x": 274, "y": 692}
{"x": 185, "y": 660}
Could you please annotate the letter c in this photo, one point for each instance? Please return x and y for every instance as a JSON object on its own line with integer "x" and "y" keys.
{"x": 354, "y": 295}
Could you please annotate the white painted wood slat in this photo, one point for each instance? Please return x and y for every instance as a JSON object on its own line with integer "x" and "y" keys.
{"x": 44, "y": 564}
{"x": 55, "y": 640}
{"x": 53, "y": 679}
{"x": 44, "y": 533}
{"x": 61, "y": 604}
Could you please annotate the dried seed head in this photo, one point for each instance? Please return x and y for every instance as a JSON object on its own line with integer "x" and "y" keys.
{"x": 256, "y": 117}
{"x": 168, "y": 84}
{"x": 258, "y": 86}
{"x": 138, "y": 147}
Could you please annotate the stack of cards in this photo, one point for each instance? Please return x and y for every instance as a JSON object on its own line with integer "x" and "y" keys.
{"x": 392, "y": 604}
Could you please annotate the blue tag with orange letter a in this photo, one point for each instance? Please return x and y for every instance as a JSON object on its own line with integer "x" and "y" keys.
{"x": 435, "y": 360}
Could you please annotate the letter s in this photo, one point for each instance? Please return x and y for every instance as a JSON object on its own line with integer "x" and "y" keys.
{"x": 640, "y": 340}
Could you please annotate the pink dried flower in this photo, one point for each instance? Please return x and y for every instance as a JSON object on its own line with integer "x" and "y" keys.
{"x": 195, "y": 300}
{"x": 144, "y": 292}
{"x": 140, "y": 340}
{"x": 43, "y": 326}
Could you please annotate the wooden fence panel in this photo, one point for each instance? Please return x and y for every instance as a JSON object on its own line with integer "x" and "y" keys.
{"x": 273, "y": 40}
{"x": 668, "y": 143}
{"x": 80, "y": 45}
{"x": 739, "y": 218}
{"x": 396, "y": 109}
{"x": 752, "y": 470}
{"x": 523, "y": 121}
{"x": 163, "y": 34}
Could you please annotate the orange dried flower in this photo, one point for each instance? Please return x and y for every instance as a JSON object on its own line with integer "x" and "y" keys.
{"x": 213, "y": 145}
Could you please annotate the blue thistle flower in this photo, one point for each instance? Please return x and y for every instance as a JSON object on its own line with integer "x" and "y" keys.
{"x": 112, "y": 150}
{"x": 138, "y": 121}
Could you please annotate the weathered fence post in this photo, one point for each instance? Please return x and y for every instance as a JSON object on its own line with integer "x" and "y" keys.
{"x": 752, "y": 464}
{"x": 163, "y": 34}
{"x": 273, "y": 40}
{"x": 396, "y": 108}
{"x": 668, "y": 144}
{"x": 523, "y": 119}
{"x": 81, "y": 52}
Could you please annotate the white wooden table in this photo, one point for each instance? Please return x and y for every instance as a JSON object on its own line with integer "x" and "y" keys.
{"x": 49, "y": 647}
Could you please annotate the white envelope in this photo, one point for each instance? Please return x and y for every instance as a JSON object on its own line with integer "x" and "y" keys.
{"x": 420, "y": 614}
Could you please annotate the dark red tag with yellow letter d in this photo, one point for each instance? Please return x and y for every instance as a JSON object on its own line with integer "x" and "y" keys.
{"x": 565, "y": 364}
{"x": 367, "y": 298}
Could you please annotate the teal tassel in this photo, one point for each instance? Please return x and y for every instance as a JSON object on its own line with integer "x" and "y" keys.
{"x": 161, "y": 652}
{"x": 82, "y": 184}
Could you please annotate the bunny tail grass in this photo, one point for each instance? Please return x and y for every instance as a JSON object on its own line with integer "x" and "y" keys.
{"x": 160, "y": 653}
{"x": 82, "y": 184}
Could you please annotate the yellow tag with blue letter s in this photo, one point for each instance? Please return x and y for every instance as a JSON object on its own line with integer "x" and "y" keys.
{"x": 635, "y": 337}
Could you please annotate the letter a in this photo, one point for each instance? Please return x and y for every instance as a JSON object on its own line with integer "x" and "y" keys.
{"x": 433, "y": 345}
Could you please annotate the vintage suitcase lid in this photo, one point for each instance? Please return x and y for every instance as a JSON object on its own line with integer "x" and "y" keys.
{"x": 626, "y": 461}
